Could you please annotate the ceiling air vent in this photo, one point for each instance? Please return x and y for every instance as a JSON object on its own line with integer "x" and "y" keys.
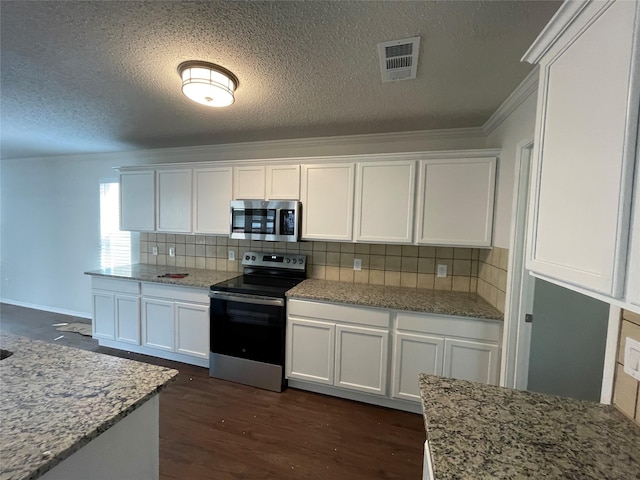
{"x": 399, "y": 59}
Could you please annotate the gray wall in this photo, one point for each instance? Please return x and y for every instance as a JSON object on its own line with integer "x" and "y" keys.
{"x": 568, "y": 339}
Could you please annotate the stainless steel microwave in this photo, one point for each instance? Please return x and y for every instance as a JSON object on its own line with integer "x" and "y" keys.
{"x": 276, "y": 221}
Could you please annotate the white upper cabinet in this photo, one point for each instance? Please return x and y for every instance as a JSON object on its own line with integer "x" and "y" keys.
{"x": 327, "y": 201}
{"x": 586, "y": 132}
{"x": 248, "y": 183}
{"x": 455, "y": 201}
{"x": 137, "y": 200}
{"x": 283, "y": 182}
{"x": 212, "y": 194}
{"x": 174, "y": 197}
{"x": 385, "y": 194}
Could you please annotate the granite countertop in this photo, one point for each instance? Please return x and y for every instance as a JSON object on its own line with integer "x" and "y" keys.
{"x": 397, "y": 298}
{"x": 478, "y": 431}
{"x": 55, "y": 399}
{"x": 197, "y": 277}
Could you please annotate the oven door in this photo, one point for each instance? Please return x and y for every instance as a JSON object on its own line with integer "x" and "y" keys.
{"x": 250, "y": 327}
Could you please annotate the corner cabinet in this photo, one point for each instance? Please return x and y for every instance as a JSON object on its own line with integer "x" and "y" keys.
{"x": 116, "y": 310}
{"x": 327, "y": 201}
{"x": 585, "y": 146}
{"x": 385, "y": 218}
{"x": 455, "y": 201}
{"x": 137, "y": 200}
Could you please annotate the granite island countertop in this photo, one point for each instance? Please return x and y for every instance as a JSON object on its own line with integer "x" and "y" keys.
{"x": 56, "y": 399}
{"x": 397, "y": 298}
{"x": 478, "y": 431}
{"x": 198, "y": 277}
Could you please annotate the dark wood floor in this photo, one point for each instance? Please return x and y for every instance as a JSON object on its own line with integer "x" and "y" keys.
{"x": 212, "y": 429}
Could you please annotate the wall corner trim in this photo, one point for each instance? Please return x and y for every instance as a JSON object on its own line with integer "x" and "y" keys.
{"x": 528, "y": 86}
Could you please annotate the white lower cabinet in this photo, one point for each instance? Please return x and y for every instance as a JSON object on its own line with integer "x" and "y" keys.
{"x": 414, "y": 354}
{"x": 345, "y": 348}
{"x": 128, "y": 319}
{"x": 310, "y": 350}
{"x": 192, "y": 329}
{"x": 157, "y": 324}
{"x": 162, "y": 320}
{"x": 361, "y": 359}
{"x": 471, "y": 360}
{"x": 338, "y": 345}
{"x": 116, "y": 309}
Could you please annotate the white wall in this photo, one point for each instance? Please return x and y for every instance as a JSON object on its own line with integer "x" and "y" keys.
{"x": 516, "y": 128}
{"x": 49, "y": 207}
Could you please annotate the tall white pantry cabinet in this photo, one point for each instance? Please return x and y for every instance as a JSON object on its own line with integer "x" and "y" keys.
{"x": 585, "y": 150}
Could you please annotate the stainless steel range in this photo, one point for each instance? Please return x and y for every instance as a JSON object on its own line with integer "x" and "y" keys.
{"x": 248, "y": 320}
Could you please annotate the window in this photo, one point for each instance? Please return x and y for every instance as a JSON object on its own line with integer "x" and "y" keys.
{"x": 115, "y": 246}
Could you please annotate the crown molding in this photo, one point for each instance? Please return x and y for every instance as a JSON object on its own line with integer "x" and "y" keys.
{"x": 528, "y": 86}
{"x": 562, "y": 19}
{"x": 270, "y": 148}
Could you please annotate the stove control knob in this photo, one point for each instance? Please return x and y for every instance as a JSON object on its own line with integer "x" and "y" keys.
{"x": 295, "y": 261}
{"x": 247, "y": 257}
{"x": 301, "y": 261}
{"x": 253, "y": 257}
{"x": 289, "y": 260}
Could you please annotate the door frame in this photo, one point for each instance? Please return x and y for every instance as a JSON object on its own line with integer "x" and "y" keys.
{"x": 516, "y": 335}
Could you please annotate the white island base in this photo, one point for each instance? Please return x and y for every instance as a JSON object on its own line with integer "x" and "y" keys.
{"x": 128, "y": 450}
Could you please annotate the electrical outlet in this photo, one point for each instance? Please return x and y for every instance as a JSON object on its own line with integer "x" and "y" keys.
{"x": 172, "y": 251}
{"x": 632, "y": 357}
{"x": 357, "y": 264}
{"x": 232, "y": 255}
{"x": 442, "y": 271}
{"x": 154, "y": 251}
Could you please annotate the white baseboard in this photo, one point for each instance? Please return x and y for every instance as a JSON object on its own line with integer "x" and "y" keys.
{"x": 45, "y": 308}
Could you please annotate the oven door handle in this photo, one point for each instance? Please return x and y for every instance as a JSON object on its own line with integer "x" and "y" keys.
{"x": 244, "y": 298}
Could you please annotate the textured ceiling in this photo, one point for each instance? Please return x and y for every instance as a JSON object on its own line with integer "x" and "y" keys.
{"x": 100, "y": 76}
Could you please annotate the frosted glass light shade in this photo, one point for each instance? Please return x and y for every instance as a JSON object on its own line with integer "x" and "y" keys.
{"x": 207, "y": 83}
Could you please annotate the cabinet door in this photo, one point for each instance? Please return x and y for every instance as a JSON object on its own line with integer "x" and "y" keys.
{"x": 414, "y": 354}
{"x": 455, "y": 201}
{"x": 174, "y": 201}
{"x": 212, "y": 194}
{"x": 327, "y": 201}
{"x": 192, "y": 329}
{"x": 158, "y": 324}
{"x": 361, "y": 359}
{"x": 469, "y": 360}
{"x": 283, "y": 182}
{"x": 310, "y": 350}
{"x": 103, "y": 315}
{"x": 385, "y": 217}
{"x": 248, "y": 183}
{"x": 137, "y": 201}
{"x": 584, "y": 150}
{"x": 128, "y": 319}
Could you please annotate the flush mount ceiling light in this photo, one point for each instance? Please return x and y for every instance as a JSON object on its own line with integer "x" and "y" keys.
{"x": 207, "y": 83}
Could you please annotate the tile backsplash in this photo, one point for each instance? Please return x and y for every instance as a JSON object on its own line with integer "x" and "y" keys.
{"x": 492, "y": 276}
{"x": 626, "y": 389}
{"x": 395, "y": 265}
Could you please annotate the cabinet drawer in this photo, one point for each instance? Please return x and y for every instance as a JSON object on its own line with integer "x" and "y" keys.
{"x": 339, "y": 313}
{"x": 450, "y": 326}
{"x": 115, "y": 285}
{"x": 172, "y": 292}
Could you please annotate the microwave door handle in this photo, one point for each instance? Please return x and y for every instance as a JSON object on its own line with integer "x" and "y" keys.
{"x": 277, "y": 220}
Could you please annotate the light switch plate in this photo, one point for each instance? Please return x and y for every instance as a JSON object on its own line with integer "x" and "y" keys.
{"x": 357, "y": 264}
{"x": 172, "y": 251}
{"x": 442, "y": 271}
{"x": 154, "y": 251}
{"x": 632, "y": 357}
